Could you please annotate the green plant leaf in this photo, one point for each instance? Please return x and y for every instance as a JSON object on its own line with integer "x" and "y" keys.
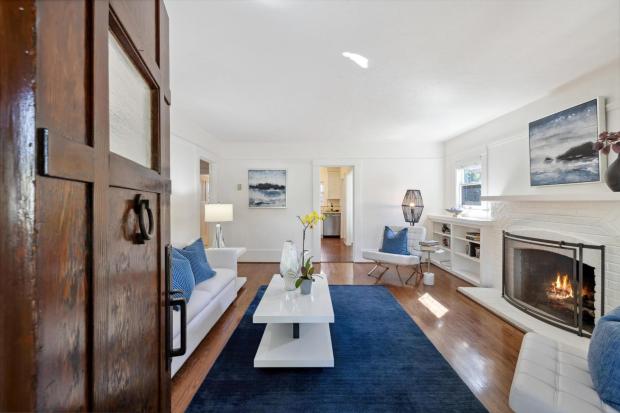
{"x": 298, "y": 282}
{"x": 311, "y": 271}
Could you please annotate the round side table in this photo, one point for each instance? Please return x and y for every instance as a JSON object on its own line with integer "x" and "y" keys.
{"x": 429, "y": 277}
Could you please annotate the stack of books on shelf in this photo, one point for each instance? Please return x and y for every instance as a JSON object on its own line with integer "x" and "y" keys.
{"x": 473, "y": 236}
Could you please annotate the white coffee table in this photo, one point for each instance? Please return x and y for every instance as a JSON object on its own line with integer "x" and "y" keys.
{"x": 297, "y": 331}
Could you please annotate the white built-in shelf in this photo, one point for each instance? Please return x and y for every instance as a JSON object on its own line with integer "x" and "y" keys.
{"x": 467, "y": 240}
{"x": 453, "y": 260}
{"x": 462, "y": 254}
{"x": 444, "y": 265}
{"x": 578, "y": 197}
{"x": 468, "y": 276}
{"x": 463, "y": 221}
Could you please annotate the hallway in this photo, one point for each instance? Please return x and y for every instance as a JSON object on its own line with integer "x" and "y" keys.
{"x": 335, "y": 250}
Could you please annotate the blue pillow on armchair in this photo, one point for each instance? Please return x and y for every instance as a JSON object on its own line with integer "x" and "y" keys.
{"x": 395, "y": 242}
{"x": 182, "y": 275}
{"x": 195, "y": 253}
{"x": 604, "y": 358}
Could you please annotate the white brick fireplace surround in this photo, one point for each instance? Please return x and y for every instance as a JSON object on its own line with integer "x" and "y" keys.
{"x": 596, "y": 222}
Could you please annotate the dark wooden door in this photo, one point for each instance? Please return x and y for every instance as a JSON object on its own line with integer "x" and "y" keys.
{"x": 89, "y": 292}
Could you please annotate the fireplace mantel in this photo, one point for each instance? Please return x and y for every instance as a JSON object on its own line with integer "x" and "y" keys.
{"x": 576, "y": 197}
{"x": 554, "y": 217}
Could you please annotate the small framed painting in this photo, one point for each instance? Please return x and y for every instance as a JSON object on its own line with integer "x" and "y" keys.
{"x": 562, "y": 146}
{"x": 267, "y": 188}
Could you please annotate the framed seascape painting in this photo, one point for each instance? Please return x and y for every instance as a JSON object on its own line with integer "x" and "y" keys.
{"x": 267, "y": 188}
{"x": 562, "y": 146}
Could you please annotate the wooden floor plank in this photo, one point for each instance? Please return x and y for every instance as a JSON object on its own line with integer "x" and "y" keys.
{"x": 335, "y": 250}
{"x": 481, "y": 347}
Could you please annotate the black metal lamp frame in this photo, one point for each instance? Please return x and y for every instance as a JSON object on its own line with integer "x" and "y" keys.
{"x": 412, "y": 206}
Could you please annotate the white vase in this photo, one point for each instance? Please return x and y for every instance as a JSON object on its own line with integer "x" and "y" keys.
{"x": 289, "y": 265}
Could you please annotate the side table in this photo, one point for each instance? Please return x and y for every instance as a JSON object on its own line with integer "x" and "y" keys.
{"x": 429, "y": 277}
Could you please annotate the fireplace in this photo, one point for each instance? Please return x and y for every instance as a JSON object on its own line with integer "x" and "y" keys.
{"x": 552, "y": 281}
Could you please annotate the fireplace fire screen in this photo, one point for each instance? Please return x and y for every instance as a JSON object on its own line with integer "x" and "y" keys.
{"x": 550, "y": 281}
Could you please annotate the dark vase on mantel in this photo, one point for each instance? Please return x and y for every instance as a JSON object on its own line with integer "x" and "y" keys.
{"x": 612, "y": 177}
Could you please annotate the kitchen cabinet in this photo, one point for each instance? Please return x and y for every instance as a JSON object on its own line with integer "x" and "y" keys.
{"x": 333, "y": 185}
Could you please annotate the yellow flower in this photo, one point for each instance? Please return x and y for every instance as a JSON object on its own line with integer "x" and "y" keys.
{"x": 311, "y": 219}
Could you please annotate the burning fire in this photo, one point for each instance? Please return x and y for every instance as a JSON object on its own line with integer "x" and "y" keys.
{"x": 561, "y": 288}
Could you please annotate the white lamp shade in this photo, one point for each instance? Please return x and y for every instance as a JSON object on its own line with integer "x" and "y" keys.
{"x": 218, "y": 212}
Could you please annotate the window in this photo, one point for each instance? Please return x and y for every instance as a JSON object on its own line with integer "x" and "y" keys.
{"x": 469, "y": 186}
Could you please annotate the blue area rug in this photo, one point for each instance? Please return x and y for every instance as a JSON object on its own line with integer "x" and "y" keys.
{"x": 383, "y": 363}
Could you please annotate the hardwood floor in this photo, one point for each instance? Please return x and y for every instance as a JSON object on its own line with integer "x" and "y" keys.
{"x": 335, "y": 250}
{"x": 481, "y": 347}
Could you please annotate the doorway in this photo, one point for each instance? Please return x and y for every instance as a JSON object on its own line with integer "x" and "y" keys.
{"x": 336, "y": 203}
{"x": 205, "y": 173}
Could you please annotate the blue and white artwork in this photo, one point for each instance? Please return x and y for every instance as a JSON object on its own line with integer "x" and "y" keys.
{"x": 267, "y": 188}
{"x": 562, "y": 147}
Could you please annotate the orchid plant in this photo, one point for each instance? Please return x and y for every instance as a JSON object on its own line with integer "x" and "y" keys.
{"x": 309, "y": 220}
{"x": 307, "y": 272}
{"x": 608, "y": 141}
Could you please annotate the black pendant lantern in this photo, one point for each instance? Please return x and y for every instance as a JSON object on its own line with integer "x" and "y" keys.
{"x": 413, "y": 205}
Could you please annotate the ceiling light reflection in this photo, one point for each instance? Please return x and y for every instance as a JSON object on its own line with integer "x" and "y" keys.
{"x": 358, "y": 59}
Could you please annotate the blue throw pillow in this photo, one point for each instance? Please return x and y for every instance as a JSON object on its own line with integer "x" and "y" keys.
{"x": 182, "y": 275}
{"x": 604, "y": 358}
{"x": 195, "y": 253}
{"x": 395, "y": 242}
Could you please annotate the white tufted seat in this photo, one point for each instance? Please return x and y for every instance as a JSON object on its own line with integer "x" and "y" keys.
{"x": 553, "y": 377}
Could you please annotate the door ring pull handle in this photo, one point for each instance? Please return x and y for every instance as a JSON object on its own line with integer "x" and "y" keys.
{"x": 141, "y": 206}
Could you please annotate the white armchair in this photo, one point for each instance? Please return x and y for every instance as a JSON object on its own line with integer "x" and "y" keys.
{"x": 383, "y": 259}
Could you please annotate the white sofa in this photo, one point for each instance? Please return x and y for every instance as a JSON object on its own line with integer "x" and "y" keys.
{"x": 415, "y": 234}
{"x": 208, "y": 302}
{"x": 553, "y": 377}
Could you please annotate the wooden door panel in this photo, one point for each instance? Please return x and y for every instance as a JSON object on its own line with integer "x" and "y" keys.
{"x": 134, "y": 310}
{"x": 17, "y": 218}
{"x": 63, "y": 259}
{"x": 84, "y": 317}
{"x": 140, "y": 18}
{"x": 63, "y": 208}
{"x": 63, "y": 61}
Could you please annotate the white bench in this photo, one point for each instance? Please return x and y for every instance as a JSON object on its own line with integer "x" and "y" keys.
{"x": 382, "y": 259}
{"x": 552, "y": 377}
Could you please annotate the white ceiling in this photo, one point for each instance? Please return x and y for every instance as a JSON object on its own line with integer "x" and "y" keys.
{"x": 272, "y": 70}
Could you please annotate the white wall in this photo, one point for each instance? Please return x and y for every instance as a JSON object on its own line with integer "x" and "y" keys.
{"x": 188, "y": 145}
{"x": 504, "y": 146}
{"x": 505, "y": 142}
{"x": 384, "y": 171}
{"x": 382, "y": 182}
{"x": 263, "y": 230}
{"x": 346, "y": 207}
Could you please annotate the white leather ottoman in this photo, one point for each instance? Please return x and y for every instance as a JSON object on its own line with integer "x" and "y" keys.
{"x": 553, "y": 377}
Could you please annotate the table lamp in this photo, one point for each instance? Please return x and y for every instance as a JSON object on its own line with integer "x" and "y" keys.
{"x": 218, "y": 213}
{"x": 413, "y": 205}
